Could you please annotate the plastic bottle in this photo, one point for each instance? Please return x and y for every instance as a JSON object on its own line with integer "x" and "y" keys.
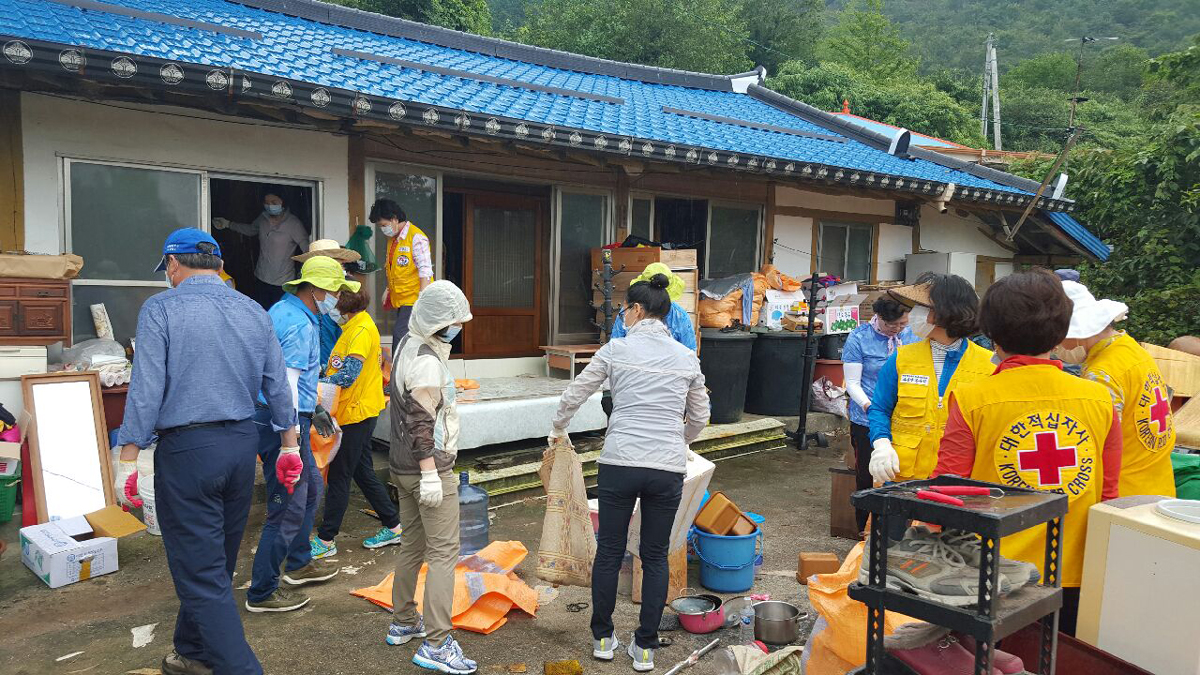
{"x": 746, "y": 619}
{"x": 473, "y": 516}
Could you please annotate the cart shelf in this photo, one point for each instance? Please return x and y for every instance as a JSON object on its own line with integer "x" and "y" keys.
{"x": 1015, "y": 611}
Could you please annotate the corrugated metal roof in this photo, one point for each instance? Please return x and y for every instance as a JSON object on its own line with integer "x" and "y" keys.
{"x": 1075, "y": 229}
{"x": 303, "y": 50}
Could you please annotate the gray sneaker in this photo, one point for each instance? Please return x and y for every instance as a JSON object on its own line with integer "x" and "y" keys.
{"x": 1016, "y": 572}
{"x": 177, "y": 664}
{"x": 605, "y": 649}
{"x": 280, "y": 601}
{"x": 316, "y": 570}
{"x": 924, "y": 565}
{"x": 643, "y": 659}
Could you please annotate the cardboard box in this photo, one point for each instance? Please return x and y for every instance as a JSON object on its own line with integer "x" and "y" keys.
{"x": 64, "y": 551}
{"x": 842, "y": 314}
{"x": 816, "y": 563}
{"x": 777, "y": 304}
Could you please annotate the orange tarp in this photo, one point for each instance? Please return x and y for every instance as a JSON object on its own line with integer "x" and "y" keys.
{"x": 485, "y": 588}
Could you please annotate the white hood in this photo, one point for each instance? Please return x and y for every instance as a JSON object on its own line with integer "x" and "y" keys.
{"x": 438, "y": 306}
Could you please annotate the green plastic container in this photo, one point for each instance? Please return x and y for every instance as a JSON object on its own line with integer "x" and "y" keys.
{"x": 9, "y": 485}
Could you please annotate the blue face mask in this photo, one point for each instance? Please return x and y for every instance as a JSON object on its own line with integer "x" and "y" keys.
{"x": 328, "y": 304}
{"x": 273, "y": 209}
{"x": 450, "y": 333}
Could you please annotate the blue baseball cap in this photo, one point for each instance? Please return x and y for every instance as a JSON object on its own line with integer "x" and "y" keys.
{"x": 188, "y": 240}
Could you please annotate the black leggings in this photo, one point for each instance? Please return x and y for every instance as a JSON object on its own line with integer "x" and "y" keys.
{"x": 354, "y": 461}
{"x": 617, "y": 488}
{"x": 860, "y": 438}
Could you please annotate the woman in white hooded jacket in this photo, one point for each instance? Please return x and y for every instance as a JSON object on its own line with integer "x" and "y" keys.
{"x": 660, "y": 406}
{"x": 424, "y": 447}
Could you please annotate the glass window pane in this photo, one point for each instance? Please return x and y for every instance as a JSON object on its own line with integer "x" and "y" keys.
{"x": 640, "y": 218}
{"x": 417, "y": 195}
{"x": 504, "y": 259}
{"x": 582, "y": 223}
{"x": 122, "y": 302}
{"x": 120, "y": 217}
{"x": 858, "y": 253}
{"x": 833, "y": 250}
{"x": 732, "y": 242}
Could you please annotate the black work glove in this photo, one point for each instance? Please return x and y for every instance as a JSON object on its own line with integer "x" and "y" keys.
{"x": 322, "y": 422}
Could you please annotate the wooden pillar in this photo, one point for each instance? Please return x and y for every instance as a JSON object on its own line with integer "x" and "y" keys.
{"x": 12, "y": 173}
{"x": 769, "y": 226}
{"x": 621, "y": 208}
{"x": 356, "y": 165}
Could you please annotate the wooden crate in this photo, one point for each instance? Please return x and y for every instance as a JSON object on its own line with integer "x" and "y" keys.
{"x": 636, "y": 259}
{"x": 688, "y": 301}
{"x": 621, "y": 281}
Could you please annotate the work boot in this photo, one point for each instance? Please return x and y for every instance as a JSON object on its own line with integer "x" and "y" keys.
{"x": 177, "y": 664}
{"x": 924, "y": 565}
{"x": 317, "y": 570}
{"x": 281, "y": 600}
{"x": 967, "y": 543}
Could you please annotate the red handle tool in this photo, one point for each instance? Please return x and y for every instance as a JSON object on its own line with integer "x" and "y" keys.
{"x": 966, "y": 490}
{"x": 939, "y": 497}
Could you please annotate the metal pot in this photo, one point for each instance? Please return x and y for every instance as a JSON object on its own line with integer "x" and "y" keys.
{"x": 699, "y": 614}
{"x": 777, "y": 623}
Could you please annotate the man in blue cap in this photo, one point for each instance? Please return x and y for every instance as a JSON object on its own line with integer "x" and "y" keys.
{"x": 204, "y": 352}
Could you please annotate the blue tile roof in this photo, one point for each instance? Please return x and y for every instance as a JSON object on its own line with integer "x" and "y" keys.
{"x": 302, "y": 49}
{"x": 1075, "y": 229}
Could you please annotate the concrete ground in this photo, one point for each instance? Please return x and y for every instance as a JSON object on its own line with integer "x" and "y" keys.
{"x": 338, "y": 633}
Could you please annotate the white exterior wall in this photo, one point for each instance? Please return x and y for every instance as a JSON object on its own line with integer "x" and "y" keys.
{"x": 951, "y": 233}
{"x": 793, "y": 245}
{"x": 53, "y": 128}
{"x": 895, "y": 242}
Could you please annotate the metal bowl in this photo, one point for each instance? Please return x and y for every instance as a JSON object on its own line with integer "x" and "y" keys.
{"x": 776, "y": 622}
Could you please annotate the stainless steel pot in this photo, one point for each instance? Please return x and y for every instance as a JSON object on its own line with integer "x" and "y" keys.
{"x": 777, "y": 623}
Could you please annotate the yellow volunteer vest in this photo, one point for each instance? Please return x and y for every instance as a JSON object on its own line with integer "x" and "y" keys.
{"x": 1038, "y": 427}
{"x": 1147, "y": 427}
{"x": 919, "y": 417}
{"x": 363, "y": 399}
{"x": 404, "y": 283}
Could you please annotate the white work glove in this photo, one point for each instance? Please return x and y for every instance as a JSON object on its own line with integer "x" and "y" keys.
{"x": 559, "y": 437}
{"x": 220, "y": 223}
{"x": 125, "y": 469}
{"x": 431, "y": 489}
{"x": 884, "y": 461}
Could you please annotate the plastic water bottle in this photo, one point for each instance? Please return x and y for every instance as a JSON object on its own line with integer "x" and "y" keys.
{"x": 746, "y": 618}
{"x": 472, "y": 515}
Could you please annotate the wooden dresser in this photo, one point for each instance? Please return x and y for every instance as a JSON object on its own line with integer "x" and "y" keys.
{"x": 35, "y": 311}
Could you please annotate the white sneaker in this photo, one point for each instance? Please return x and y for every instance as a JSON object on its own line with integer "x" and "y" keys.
{"x": 605, "y": 649}
{"x": 643, "y": 659}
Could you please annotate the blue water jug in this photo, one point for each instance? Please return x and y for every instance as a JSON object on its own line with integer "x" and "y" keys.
{"x": 472, "y": 516}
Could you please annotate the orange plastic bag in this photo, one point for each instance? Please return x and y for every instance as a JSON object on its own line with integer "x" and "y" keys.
{"x": 720, "y": 313}
{"x": 325, "y": 449}
{"x": 778, "y": 280}
{"x": 842, "y": 645}
{"x": 485, "y": 588}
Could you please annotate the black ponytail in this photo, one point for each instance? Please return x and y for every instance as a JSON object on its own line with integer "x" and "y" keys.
{"x": 652, "y": 296}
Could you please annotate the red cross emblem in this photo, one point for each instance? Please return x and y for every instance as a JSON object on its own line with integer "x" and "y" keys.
{"x": 1159, "y": 410}
{"x": 1047, "y": 458}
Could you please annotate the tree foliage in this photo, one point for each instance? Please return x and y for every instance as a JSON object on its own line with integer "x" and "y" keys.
{"x": 864, "y": 40}
{"x": 472, "y": 16}
{"x": 700, "y": 35}
{"x": 783, "y": 30}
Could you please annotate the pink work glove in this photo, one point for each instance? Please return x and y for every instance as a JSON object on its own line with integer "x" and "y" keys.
{"x": 288, "y": 467}
{"x": 131, "y": 491}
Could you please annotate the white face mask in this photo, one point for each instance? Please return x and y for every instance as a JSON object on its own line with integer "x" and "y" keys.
{"x": 273, "y": 209}
{"x": 337, "y": 316}
{"x": 170, "y": 284}
{"x": 1074, "y": 355}
{"x": 390, "y": 230}
{"x": 918, "y": 321}
{"x": 328, "y": 304}
{"x": 450, "y": 333}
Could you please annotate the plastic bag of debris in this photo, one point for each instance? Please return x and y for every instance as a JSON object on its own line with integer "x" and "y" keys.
{"x": 568, "y": 543}
{"x": 829, "y": 398}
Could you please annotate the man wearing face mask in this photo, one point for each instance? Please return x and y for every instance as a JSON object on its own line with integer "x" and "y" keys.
{"x": 409, "y": 264}
{"x": 1140, "y": 396}
{"x": 279, "y": 234}
{"x": 330, "y": 329}
{"x": 424, "y": 447}
{"x": 908, "y": 409}
{"x": 292, "y": 502}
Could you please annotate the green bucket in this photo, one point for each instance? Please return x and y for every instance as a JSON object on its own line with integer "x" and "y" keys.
{"x": 9, "y": 485}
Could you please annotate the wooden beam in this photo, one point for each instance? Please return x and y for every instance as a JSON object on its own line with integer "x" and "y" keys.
{"x": 769, "y": 214}
{"x": 621, "y": 212}
{"x": 12, "y": 173}
{"x": 584, "y": 158}
{"x": 916, "y": 233}
{"x": 356, "y": 188}
{"x": 804, "y": 212}
{"x": 875, "y": 253}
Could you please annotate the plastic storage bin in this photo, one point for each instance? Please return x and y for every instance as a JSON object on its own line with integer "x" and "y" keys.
{"x": 719, "y": 515}
{"x": 725, "y": 362}
{"x": 9, "y": 485}
{"x": 472, "y": 516}
{"x": 778, "y": 371}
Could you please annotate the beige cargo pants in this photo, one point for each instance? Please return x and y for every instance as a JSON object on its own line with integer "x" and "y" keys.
{"x": 430, "y": 536}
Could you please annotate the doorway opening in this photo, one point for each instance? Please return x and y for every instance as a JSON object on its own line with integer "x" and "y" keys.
{"x": 241, "y": 201}
{"x": 683, "y": 222}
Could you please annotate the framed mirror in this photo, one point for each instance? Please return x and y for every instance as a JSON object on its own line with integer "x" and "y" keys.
{"x": 68, "y": 444}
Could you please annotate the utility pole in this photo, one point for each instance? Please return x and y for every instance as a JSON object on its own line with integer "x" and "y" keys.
{"x": 1075, "y": 100}
{"x": 991, "y": 90}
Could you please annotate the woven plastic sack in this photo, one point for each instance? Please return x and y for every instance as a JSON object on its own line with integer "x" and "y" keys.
{"x": 829, "y": 398}
{"x": 568, "y": 543}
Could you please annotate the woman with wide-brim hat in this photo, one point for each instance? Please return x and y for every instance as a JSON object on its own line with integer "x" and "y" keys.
{"x": 908, "y": 410}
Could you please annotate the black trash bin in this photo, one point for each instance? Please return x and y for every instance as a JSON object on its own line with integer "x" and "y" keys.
{"x": 725, "y": 362}
{"x": 831, "y": 346}
{"x": 776, "y": 374}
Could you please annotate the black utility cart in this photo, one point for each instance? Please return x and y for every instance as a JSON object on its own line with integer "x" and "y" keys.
{"x": 994, "y": 617}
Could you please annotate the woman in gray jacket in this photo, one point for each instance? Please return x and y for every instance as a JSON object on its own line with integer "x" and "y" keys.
{"x": 660, "y": 406}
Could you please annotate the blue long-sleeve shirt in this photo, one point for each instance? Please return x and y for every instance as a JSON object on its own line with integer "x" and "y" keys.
{"x": 330, "y": 332}
{"x": 883, "y": 401}
{"x": 204, "y": 351}
{"x": 677, "y": 321}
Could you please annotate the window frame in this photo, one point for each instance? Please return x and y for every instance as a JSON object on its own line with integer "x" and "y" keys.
{"x": 644, "y": 196}
{"x": 872, "y": 230}
{"x": 556, "y": 337}
{"x": 758, "y": 236}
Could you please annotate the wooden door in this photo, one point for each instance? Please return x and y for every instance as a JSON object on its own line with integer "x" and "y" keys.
{"x": 503, "y": 275}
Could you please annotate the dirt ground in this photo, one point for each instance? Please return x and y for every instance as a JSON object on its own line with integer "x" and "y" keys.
{"x": 341, "y": 634}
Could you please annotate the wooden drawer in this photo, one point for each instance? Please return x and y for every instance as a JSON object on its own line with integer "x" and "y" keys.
{"x": 42, "y": 291}
{"x": 8, "y": 317}
{"x": 38, "y": 318}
